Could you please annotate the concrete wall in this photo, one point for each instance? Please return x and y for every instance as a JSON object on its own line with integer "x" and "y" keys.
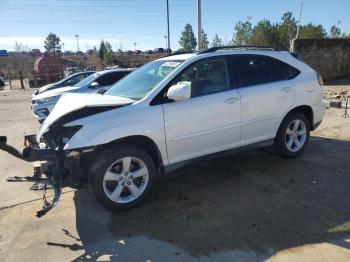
{"x": 330, "y": 57}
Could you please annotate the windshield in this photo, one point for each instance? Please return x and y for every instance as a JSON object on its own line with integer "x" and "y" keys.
{"x": 139, "y": 83}
{"x": 87, "y": 80}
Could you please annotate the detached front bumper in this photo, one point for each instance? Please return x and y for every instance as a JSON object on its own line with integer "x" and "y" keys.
{"x": 50, "y": 173}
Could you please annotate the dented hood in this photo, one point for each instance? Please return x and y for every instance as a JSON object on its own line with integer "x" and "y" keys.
{"x": 71, "y": 102}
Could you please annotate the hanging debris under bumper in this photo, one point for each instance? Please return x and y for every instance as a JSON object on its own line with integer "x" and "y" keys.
{"x": 50, "y": 173}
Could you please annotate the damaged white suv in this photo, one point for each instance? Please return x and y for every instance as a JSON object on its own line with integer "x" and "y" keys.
{"x": 173, "y": 110}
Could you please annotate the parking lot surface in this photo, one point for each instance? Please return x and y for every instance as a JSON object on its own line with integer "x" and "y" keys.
{"x": 248, "y": 206}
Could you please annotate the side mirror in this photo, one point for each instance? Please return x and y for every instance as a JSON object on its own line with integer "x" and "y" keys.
{"x": 180, "y": 91}
{"x": 94, "y": 84}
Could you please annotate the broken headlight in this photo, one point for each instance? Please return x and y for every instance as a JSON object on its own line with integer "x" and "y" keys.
{"x": 67, "y": 132}
{"x": 44, "y": 100}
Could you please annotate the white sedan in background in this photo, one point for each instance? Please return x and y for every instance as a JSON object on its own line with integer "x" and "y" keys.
{"x": 43, "y": 103}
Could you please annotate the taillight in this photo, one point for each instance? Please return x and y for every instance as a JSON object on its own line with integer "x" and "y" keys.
{"x": 320, "y": 79}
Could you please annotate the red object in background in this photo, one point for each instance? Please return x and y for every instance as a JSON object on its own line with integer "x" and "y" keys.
{"x": 49, "y": 68}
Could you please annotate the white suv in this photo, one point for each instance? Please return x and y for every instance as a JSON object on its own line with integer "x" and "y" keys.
{"x": 176, "y": 109}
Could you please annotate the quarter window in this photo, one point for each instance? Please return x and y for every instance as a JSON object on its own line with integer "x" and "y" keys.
{"x": 288, "y": 71}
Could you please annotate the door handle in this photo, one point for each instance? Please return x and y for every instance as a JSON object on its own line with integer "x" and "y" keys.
{"x": 286, "y": 89}
{"x": 231, "y": 100}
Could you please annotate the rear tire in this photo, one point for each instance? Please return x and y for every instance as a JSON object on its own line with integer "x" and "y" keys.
{"x": 122, "y": 177}
{"x": 293, "y": 135}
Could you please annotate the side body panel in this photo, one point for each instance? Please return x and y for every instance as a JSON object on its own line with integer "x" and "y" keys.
{"x": 120, "y": 123}
{"x": 262, "y": 108}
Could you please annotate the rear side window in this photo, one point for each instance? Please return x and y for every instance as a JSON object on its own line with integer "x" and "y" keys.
{"x": 256, "y": 70}
{"x": 253, "y": 70}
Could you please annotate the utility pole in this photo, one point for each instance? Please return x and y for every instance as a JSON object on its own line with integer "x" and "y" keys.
{"x": 301, "y": 11}
{"x": 199, "y": 24}
{"x": 167, "y": 13}
{"x": 77, "y": 37}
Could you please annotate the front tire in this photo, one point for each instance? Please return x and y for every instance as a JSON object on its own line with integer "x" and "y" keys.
{"x": 122, "y": 177}
{"x": 293, "y": 135}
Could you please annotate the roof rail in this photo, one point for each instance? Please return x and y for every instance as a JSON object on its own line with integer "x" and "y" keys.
{"x": 247, "y": 47}
{"x": 179, "y": 53}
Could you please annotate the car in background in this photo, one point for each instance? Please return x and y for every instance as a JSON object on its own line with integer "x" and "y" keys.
{"x": 158, "y": 50}
{"x": 70, "y": 80}
{"x": 36, "y": 52}
{"x": 42, "y": 104}
{"x": 4, "y": 53}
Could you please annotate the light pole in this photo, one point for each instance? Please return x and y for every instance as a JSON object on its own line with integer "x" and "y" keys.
{"x": 134, "y": 46}
{"x": 77, "y": 37}
{"x": 167, "y": 13}
{"x": 199, "y": 24}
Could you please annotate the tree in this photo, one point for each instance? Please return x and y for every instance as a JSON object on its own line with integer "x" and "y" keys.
{"x": 95, "y": 50}
{"x": 265, "y": 34}
{"x": 52, "y": 43}
{"x": 102, "y": 50}
{"x": 204, "y": 39}
{"x": 19, "y": 48}
{"x": 105, "y": 51}
{"x": 335, "y": 32}
{"x": 188, "y": 41}
{"x": 286, "y": 31}
{"x": 243, "y": 33}
{"x": 108, "y": 55}
{"x": 312, "y": 31}
{"x": 216, "y": 41}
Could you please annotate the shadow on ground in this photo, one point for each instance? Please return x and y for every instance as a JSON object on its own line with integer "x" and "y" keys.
{"x": 254, "y": 201}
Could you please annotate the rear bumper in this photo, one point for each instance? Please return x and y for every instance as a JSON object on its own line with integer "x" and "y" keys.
{"x": 319, "y": 111}
{"x": 316, "y": 125}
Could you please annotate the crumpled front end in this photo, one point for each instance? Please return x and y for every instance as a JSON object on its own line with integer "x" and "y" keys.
{"x": 59, "y": 167}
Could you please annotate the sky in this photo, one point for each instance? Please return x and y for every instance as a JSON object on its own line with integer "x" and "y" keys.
{"x": 125, "y": 22}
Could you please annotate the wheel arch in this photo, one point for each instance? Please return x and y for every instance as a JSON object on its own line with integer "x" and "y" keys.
{"x": 305, "y": 110}
{"x": 140, "y": 141}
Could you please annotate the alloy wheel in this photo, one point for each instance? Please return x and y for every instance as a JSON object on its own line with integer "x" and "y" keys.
{"x": 125, "y": 180}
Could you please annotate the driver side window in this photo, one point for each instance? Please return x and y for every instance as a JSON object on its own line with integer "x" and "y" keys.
{"x": 206, "y": 78}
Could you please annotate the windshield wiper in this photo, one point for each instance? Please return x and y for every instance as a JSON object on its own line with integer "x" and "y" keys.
{"x": 102, "y": 91}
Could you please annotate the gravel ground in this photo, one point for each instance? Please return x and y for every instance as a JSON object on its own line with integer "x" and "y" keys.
{"x": 251, "y": 206}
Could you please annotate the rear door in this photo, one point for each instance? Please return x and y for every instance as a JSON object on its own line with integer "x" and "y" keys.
{"x": 266, "y": 95}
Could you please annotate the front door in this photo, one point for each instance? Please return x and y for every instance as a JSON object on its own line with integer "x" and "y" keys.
{"x": 209, "y": 121}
